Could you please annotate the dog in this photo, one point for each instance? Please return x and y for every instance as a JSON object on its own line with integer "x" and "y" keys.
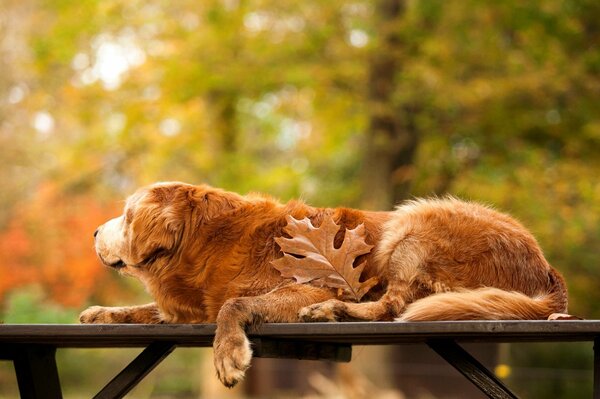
{"x": 205, "y": 255}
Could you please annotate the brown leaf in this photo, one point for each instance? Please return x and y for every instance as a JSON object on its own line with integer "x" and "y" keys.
{"x": 310, "y": 256}
{"x": 563, "y": 316}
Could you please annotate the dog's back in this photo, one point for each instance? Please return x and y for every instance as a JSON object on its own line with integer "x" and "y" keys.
{"x": 462, "y": 260}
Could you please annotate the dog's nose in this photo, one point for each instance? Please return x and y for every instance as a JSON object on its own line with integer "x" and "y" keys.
{"x": 95, "y": 233}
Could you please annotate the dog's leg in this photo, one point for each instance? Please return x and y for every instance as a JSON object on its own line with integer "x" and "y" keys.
{"x": 145, "y": 314}
{"x": 232, "y": 351}
{"x": 404, "y": 275}
{"x": 387, "y": 308}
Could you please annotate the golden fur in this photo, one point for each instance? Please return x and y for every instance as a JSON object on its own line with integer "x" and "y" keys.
{"x": 205, "y": 256}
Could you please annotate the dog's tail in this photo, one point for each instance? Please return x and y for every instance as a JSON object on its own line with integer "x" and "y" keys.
{"x": 490, "y": 304}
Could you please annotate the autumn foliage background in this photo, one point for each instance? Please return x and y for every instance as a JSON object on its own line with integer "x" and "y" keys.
{"x": 355, "y": 103}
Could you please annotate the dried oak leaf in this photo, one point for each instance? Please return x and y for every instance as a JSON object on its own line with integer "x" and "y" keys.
{"x": 310, "y": 256}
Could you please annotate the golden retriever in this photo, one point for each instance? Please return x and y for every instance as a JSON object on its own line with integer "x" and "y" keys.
{"x": 205, "y": 256}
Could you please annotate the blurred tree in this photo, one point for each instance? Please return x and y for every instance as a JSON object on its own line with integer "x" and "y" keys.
{"x": 62, "y": 261}
{"x": 17, "y": 154}
{"x": 336, "y": 102}
{"x": 392, "y": 136}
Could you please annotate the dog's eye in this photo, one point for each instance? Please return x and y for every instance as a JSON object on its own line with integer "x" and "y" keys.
{"x": 154, "y": 255}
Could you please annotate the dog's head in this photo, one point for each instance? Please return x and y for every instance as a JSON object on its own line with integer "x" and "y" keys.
{"x": 158, "y": 222}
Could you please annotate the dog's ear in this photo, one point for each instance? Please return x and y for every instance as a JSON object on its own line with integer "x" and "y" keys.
{"x": 157, "y": 225}
{"x": 213, "y": 202}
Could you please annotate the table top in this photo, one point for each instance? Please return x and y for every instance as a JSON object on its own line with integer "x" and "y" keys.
{"x": 354, "y": 333}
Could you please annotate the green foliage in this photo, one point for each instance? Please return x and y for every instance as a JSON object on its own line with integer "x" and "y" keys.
{"x": 552, "y": 370}
{"x": 30, "y": 306}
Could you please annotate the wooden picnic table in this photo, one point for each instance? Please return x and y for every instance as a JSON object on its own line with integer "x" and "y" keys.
{"x": 32, "y": 347}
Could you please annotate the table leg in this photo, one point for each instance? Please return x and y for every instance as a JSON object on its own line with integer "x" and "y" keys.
{"x": 37, "y": 374}
{"x": 131, "y": 375}
{"x": 597, "y": 368}
{"x": 474, "y": 371}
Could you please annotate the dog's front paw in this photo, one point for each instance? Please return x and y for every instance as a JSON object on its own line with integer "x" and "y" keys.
{"x": 324, "y": 311}
{"x": 96, "y": 315}
{"x": 232, "y": 356}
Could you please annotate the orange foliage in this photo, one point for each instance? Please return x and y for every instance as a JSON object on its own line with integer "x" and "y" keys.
{"x": 49, "y": 242}
{"x": 15, "y": 246}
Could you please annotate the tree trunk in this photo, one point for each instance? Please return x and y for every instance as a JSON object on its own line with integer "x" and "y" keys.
{"x": 224, "y": 120}
{"x": 391, "y": 139}
{"x": 226, "y": 138}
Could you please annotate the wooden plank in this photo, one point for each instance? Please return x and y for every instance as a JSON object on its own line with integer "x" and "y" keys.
{"x": 366, "y": 333}
{"x": 135, "y": 372}
{"x": 474, "y": 371}
{"x": 107, "y": 335}
{"x": 294, "y": 340}
{"x": 262, "y": 347}
{"x": 37, "y": 374}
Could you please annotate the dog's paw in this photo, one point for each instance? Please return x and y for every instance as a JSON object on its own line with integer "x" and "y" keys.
{"x": 232, "y": 356}
{"x": 97, "y": 315}
{"x": 324, "y": 311}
